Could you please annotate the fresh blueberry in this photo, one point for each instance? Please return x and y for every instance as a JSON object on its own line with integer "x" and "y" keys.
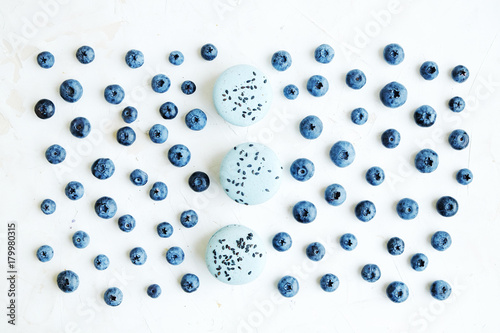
{"x": 429, "y": 70}
{"x": 125, "y": 136}
{"x": 81, "y": 239}
{"x": 355, "y": 79}
{"x": 324, "y": 53}
{"x": 85, "y": 54}
{"x": 282, "y": 241}
{"x": 71, "y": 90}
{"x": 103, "y": 168}
{"x": 391, "y": 138}
{"x": 179, "y": 155}
{"x": 304, "y": 212}
{"x": 168, "y": 110}
{"x": 393, "y": 95}
{"x": 407, "y": 209}
{"x": 447, "y": 206}
{"x": 44, "y": 109}
{"x": 460, "y": 74}
{"x": 134, "y": 59}
{"x": 129, "y": 114}
{"x": 48, "y": 206}
{"x": 397, "y": 292}
{"x": 138, "y": 256}
{"x": 68, "y": 281}
{"x": 55, "y": 154}
{"x": 113, "y": 296}
{"x": 329, "y": 282}
{"x": 158, "y": 133}
{"x": 315, "y": 251}
{"x": 105, "y": 207}
{"x": 464, "y": 176}
{"x": 138, "y": 177}
{"x": 359, "y": 116}
{"x": 190, "y": 283}
{"x": 176, "y": 58}
{"x": 394, "y": 54}
{"x": 370, "y": 273}
{"x": 395, "y": 246}
{"x": 175, "y": 255}
{"x": 365, "y": 211}
{"x": 456, "y": 104}
{"x": 189, "y": 218}
{"x": 196, "y": 120}
{"x": 302, "y": 169}
{"x": 375, "y": 176}
{"x": 342, "y": 154}
{"x": 311, "y": 127}
{"x": 425, "y": 116}
{"x": 45, "y": 59}
{"x": 126, "y": 223}
{"x": 159, "y": 191}
{"x": 164, "y": 229}
{"x": 317, "y": 85}
{"x": 199, "y": 181}
{"x": 348, "y": 242}
{"x": 291, "y": 91}
{"x": 335, "y": 194}
{"x": 419, "y": 262}
{"x": 160, "y": 83}
{"x": 426, "y": 160}
{"x": 101, "y": 262}
{"x": 458, "y": 139}
{"x": 281, "y": 60}
{"x": 440, "y": 290}
{"x": 209, "y": 52}
{"x": 45, "y": 253}
{"x": 154, "y": 291}
{"x": 188, "y": 87}
{"x": 288, "y": 286}
{"x": 80, "y": 127}
{"x": 441, "y": 240}
{"x": 114, "y": 94}
{"x": 74, "y": 190}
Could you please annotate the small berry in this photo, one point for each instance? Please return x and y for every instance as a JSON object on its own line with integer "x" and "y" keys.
{"x": 302, "y": 169}
{"x": 129, "y": 114}
{"x": 134, "y": 59}
{"x": 464, "y": 176}
{"x": 85, "y": 54}
{"x": 375, "y": 176}
{"x": 45, "y": 253}
{"x": 304, "y": 212}
{"x": 458, "y": 139}
{"x": 103, "y": 168}
{"x": 348, "y": 242}
{"x": 393, "y": 95}
{"x": 391, "y": 138}
{"x": 68, "y": 281}
{"x": 126, "y": 223}
{"x": 447, "y": 206}
{"x": 395, "y": 246}
{"x": 317, "y": 85}
{"x": 168, "y": 110}
{"x": 282, "y": 242}
{"x": 440, "y": 290}
{"x": 55, "y": 154}
{"x": 199, "y": 181}
{"x": 158, "y": 133}
{"x": 196, "y": 120}
{"x": 311, "y": 127}
{"x": 105, "y": 207}
{"x": 288, "y": 286}
{"x": 160, "y": 83}
{"x": 176, "y": 58}
{"x": 81, "y": 239}
{"x": 441, "y": 240}
{"x": 335, "y": 194}
{"x": 429, "y": 70}
{"x": 315, "y": 251}
{"x": 80, "y": 127}
{"x": 281, "y": 60}
{"x": 342, "y": 154}
{"x": 425, "y": 116}
{"x": 158, "y": 192}
{"x": 370, "y": 273}
{"x": 138, "y": 256}
{"x": 44, "y": 109}
{"x": 188, "y": 87}
{"x": 71, "y": 90}
{"x": 164, "y": 229}
{"x": 407, "y": 209}
{"x": 329, "y": 282}
{"x": 101, "y": 262}
{"x": 45, "y": 59}
{"x": 419, "y": 262}
{"x": 74, "y": 190}
{"x": 114, "y": 94}
{"x": 189, "y": 218}
{"x": 48, "y": 206}
{"x": 324, "y": 54}
{"x": 175, "y": 255}
{"x": 426, "y": 160}
{"x": 209, "y": 52}
{"x": 154, "y": 291}
{"x": 125, "y": 136}
{"x": 179, "y": 155}
{"x": 359, "y": 116}
{"x": 113, "y": 296}
{"x": 397, "y": 292}
{"x": 291, "y": 91}
{"x": 190, "y": 283}
{"x": 355, "y": 79}
{"x": 456, "y": 104}
{"x": 460, "y": 74}
{"x": 138, "y": 177}
{"x": 394, "y": 54}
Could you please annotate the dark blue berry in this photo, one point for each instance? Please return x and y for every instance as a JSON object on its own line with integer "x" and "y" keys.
{"x": 282, "y": 242}
{"x": 342, "y": 154}
{"x": 281, "y": 60}
{"x": 55, "y": 154}
{"x": 456, "y": 104}
{"x": 85, "y": 54}
{"x": 390, "y": 138}
{"x": 335, "y": 194}
{"x": 447, "y": 206}
{"x": 134, "y": 59}
{"x": 158, "y": 133}
{"x": 45, "y": 253}
{"x": 311, "y": 127}
{"x": 441, "y": 240}
{"x": 168, "y": 110}
{"x": 426, "y": 160}
{"x": 176, "y": 58}
{"x": 304, "y": 212}
{"x": 429, "y": 70}
{"x": 440, "y": 290}
{"x": 397, "y": 292}
{"x": 407, "y": 209}
{"x": 464, "y": 176}
{"x": 359, "y": 116}
{"x": 105, "y": 207}
{"x": 164, "y": 229}
{"x": 348, "y": 242}
{"x": 74, "y": 190}
{"x": 154, "y": 291}
{"x": 317, "y": 85}
{"x": 419, "y": 262}
{"x": 160, "y": 83}
{"x": 45, "y": 59}
{"x": 315, "y": 251}
{"x": 125, "y": 136}
{"x": 114, "y": 94}
{"x": 129, "y": 114}
{"x": 460, "y": 74}
{"x": 288, "y": 286}
{"x": 365, "y": 211}
{"x": 48, "y": 206}
{"x": 113, "y": 296}
{"x": 425, "y": 116}
{"x": 395, "y": 246}
{"x": 101, "y": 262}
{"x": 103, "y": 168}
{"x": 138, "y": 177}
{"x": 199, "y": 181}
{"x": 458, "y": 139}
{"x": 189, "y": 218}
{"x": 68, "y": 281}
{"x": 209, "y": 52}
{"x": 190, "y": 283}
{"x": 126, "y": 223}
{"x": 71, "y": 90}
{"x": 175, "y": 255}
{"x": 324, "y": 54}
{"x": 291, "y": 91}
{"x": 355, "y": 79}
{"x": 44, "y": 109}
{"x": 138, "y": 256}
{"x": 81, "y": 239}
{"x": 370, "y": 273}
{"x": 329, "y": 282}
{"x": 394, "y": 54}
{"x": 393, "y": 95}
{"x": 196, "y": 120}
{"x": 158, "y": 192}
{"x": 80, "y": 127}
{"x": 375, "y": 176}
{"x": 302, "y": 169}
{"x": 188, "y": 87}
{"x": 179, "y": 155}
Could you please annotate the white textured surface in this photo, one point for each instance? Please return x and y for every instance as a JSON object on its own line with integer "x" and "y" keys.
{"x": 448, "y": 32}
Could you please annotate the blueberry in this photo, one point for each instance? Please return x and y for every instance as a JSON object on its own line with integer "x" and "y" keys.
{"x": 80, "y": 127}
{"x": 329, "y": 282}
{"x": 188, "y": 87}
{"x": 164, "y": 229}
{"x": 394, "y": 54}
{"x": 281, "y": 60}
{"x": 375, "y": 176}
{"x": 85, "y": 54}
{"x": 74, "y": 190}
{"x": 342, "y": 154}
{"x": 370, "y": 273}
{"x": 291, "y": 91}
{"x": 419, "y": 262}
{"x": 441, "y": 240}
{"x": 393, "y": 95}
{"x": 199, "y": 181}
{"x": 114, "y": 94}
{"x": 168, "y": 110}
{"x": 335, "y": 194}
{"x": 317, "y": 85}
{"x": 456, "y": 104}
{"x": 390, "y": 138}
{"x": 101, "y": 262}
{"x": 365, "y": 211}
{"x": 324, "y": 53}
{"x": 395, "y": 246}
{"x": 113, "y": 296}
{"x": 81, "y": 239}
{"x": 179, "y": 155}
{"x": 105, "y": 207}
{"x": 359, "y": 116}
{"x": 315, "y": 251}
{"x": 282, "y": 241}
{"x": 138, "y": 177}
{"x": 425, "y": 116}
{"x": 134, "y": 59}
{"x": 45, "y": 253}
{"x": 45, "y": 59}
{"x": 129, "y": 114}
{"x": 429, "y": 70}
{"x": 288, "y": 286}
{"x": 464, "y": 176}
{"x": 68, "y": 281}
{"x": 103, "y": 168}
{"x": 176, "y": 58}
{"x": 125, "y": 136}
{"x": 175, "y": 255}
{"x": 348, "y": 242}
{"x": 48, "y": 206}
{"x": 138, "y": 256}
{"x": 397, "y": 292}
{"x": 154, "y": 291}
{"x": 196, "y": 120}
{"x": 71, "y": 90}
{"x": 190, "y": 283}
{"x": 304, "y": 212}
{"x": 209, "y": 52}
{"x": 55, "y": 154}
{"x": 426, "y": 160}
{"x": 460, "y": 74}
{"x": 311, "y": 127}
{"x": 44, "y": 109}
{"x": 447, "y": 206}
{"x": 126, "y": 223}
{"x": 158, "y": 133}
{"x": 302, "y": 169}
{"x": 160, "y": 83}
{"x": 407, "y": 209}
{"x": 189, "y": 218}
{"x": 440, "y": 290}
{"x": 159, "y": 191}
{"x": 458, "y": 139}
{"x": 355, "y": 79}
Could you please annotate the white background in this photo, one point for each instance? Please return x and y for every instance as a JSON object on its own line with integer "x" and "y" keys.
{"x": 448, "y": 32}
